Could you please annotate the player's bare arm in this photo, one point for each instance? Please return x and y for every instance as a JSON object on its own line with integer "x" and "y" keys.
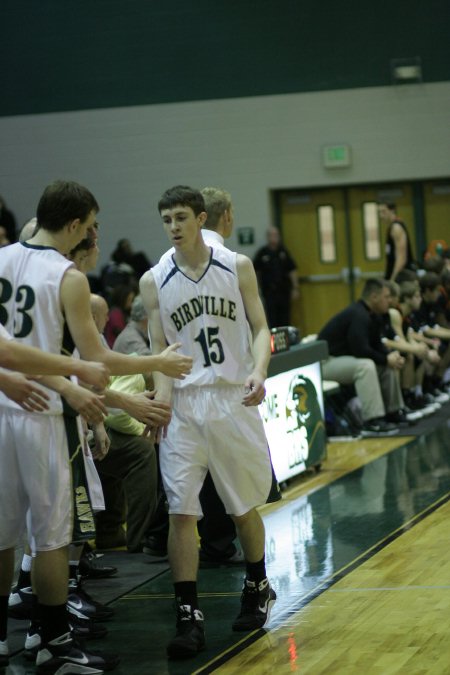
{"x": 163, "y": 384}
{"x": 87, "y": 403}
{"x": 18, "y": 388}
{"x": 260, "y": 332}
{"x": 16, "y": 356}
{"x": 400, "y": 243}
{"x": 401, "y": 343}
{"x": 102, "y": 442}
{"x": 437, "y": 332}
{"x": 142, "y": 407}
{"x": 149, "y": 294}
{"x": 75, "y": 298}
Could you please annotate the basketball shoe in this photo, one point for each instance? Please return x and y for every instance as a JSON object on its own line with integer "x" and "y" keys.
{"x": 20, "y": 602}
{"x": 190, "y": 635}
{"x": 78, "y": 600}
{"x": 256, "y": 604}
{"x": 4, "y": 653}
{"x": 65, "y": 655}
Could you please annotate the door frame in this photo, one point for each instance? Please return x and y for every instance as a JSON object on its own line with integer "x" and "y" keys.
{"x": 418, "y": 206}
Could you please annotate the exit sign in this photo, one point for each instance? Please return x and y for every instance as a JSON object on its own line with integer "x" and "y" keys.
{"x": 246, "y": 235}
{"x": 336, "y": 156}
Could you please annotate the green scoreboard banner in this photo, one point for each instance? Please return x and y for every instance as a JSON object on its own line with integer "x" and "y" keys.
{"x": 293, "y": 416}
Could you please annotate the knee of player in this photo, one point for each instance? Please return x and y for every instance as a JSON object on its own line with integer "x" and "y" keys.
{"x": 182, "y": 521}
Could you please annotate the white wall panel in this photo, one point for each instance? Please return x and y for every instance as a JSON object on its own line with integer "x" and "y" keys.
{"x": 128, "y": 156}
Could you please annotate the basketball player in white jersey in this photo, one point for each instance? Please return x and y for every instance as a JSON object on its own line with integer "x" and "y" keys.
{"x": 40, "y": 291}
{"x": 206, "y": 297}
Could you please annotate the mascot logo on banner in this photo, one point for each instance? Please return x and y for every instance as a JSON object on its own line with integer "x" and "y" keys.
{"x": 304, "y": 423}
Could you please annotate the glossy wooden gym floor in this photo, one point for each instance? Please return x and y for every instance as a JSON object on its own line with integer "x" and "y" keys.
{"x": 359, "y": 555}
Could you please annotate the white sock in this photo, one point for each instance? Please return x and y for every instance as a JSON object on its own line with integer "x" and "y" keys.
{"x": 26, "y": 563}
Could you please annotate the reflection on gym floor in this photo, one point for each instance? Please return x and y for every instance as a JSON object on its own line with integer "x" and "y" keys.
{"x": 315, "y": 543}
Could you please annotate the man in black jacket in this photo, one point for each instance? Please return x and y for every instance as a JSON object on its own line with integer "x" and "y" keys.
{"x": 358, "y": 356}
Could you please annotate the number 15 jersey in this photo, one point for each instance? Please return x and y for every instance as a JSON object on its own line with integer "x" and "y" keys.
{"x": 207, "y": 317}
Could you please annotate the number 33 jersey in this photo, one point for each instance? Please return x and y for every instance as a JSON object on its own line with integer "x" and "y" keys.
{"x": 207, "y": 317}
{"x": 30, "y": 306}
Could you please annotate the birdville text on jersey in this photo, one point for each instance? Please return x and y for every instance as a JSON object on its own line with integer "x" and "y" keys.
{"x": 203, "y": 304}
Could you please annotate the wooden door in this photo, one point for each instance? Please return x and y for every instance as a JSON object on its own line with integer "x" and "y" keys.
{"x": 437, "y": 210}
{"x": 313, "y": 226}
{"x": 338, "y": 242}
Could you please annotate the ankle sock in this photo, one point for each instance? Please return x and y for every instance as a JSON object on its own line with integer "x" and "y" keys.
{"x": 54, "y": 621}
{"x": 24, "y": 579}
{"x": 256, "y": 571}
{"x": 186, "y": 593}
{"x": 3, "y": 616}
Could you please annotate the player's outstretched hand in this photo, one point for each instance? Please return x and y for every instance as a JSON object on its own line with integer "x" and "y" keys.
{"x": 93, "y": 373}
{"x": 175, "y": 365}
{"x": 87, "y": 403}
{"x": 145, "y": 409}
{"x": 18, "y": 388}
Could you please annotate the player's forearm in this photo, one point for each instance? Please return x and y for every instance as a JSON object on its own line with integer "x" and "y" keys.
{"x": 402, "y": 346}
{"x": 261, "y": 350}
{"x": 32, "y": 361}
{"x": 123, "y": 364}
{"x": 116, "y": 400}
{"x": 163, "y": 384}
{"x": 56, "y": 383}
{"x": 438, "y": 332}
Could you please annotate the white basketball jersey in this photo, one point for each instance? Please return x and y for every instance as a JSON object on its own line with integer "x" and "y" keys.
{"x": 210, "y": 237}
{"x": 30, "y": 308}
{"x": 4, "y": 333}
{"x": 208, "y": 318}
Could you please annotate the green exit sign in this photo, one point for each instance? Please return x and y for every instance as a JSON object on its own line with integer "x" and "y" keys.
{"x": 336, "y": 156}
{"x": 246, "y": 235}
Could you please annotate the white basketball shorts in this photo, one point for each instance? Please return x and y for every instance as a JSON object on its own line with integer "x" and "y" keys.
{"x": 34, "y": 474}
{"x": 211, "y": 430}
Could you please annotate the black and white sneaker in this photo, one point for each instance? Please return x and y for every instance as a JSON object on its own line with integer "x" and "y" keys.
{"x": 78, "y": 600}
{"x": 440, "y": 396}
{"x": 430, "y": 400}
{"x": 257, "y": 601}
{"x": 83, "y": 628}
{"x": 413, "y": 415}
{"x": 4, "y": 653}
{"x": 32, "y": 641}
{"x": 400, "y": 419}
{"x": 91, "y": 566}
{"x": 378, "y": 426}
{"x": 64, "y": 655}
{"x": 190, "y": 635}
{"x": 20, "y": 602}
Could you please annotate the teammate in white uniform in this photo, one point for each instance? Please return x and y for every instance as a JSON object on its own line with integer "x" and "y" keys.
{"x": 39, "y": 289}
{"x": 207, "y": 297}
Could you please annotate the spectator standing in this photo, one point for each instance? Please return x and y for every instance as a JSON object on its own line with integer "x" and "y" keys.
{"x": 278, "y": 279}
{"x": 8, "y": 222}
{"x": 398, "y": 246}
{"x": 121, "y": 300}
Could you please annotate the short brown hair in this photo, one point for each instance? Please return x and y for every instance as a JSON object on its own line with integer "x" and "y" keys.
{"x": 63, "y": 201}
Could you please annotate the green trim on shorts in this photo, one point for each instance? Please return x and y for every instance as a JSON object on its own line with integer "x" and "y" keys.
{"x": 275, "y": 492}
{"x": 83, "y": 525}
